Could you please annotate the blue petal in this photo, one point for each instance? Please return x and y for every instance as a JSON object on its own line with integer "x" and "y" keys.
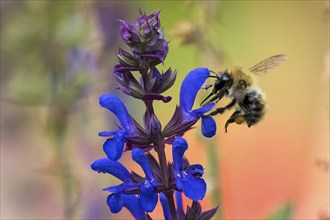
{"x": 179, "y": 205}
{"x": 115, "y": 202}
{"x": 194, "y": 188}
{"x": 178, "y": 183}
{"x": 109, "y": 147}
{"x": 127, "y": 186}
{"x": 200, "y": 111}
{"x": 148, "y": 197}
{"x": 209, "y": 126}
{"x": 190, "y": 86}
{"x": 131, "y": 202}
{"x": 180, "y": 145}
{"x": 139, "y": 156}
{"x": 114, "y": 147}
{"x": 116, "y": 189}
{"x": 107, "y": 133}
{"x": 115, "y": 105}
{"x": 194, "y": 167}
{"x": 166, "y": 207}
{"x": 114, "y": 168}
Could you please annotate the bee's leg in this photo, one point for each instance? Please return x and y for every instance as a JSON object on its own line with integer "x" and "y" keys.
{"x": 217, "y": 96}
{"x": 222, "y": 109}
{"x": 233, "y": 118}
{"x": 207, "y": 97}
{"x": 221, "y": 94}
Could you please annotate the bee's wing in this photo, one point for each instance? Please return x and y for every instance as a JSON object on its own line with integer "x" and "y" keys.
{"x": 269, "y": 63}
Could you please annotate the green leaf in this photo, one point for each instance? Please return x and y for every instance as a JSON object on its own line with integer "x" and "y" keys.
{"x": 284, "y": 213}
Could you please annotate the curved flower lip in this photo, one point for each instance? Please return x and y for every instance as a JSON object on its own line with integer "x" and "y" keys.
{"x": 188, "y": 92}
{"x": 115, "y": 105}
{"x": 190, "y": 87}
{"x": 114, "y": 168}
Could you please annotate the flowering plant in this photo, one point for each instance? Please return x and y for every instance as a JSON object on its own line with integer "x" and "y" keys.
{"x": 166, "y": 180}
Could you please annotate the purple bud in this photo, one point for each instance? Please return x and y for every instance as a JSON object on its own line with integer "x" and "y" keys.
{"x": 128, "y": 34}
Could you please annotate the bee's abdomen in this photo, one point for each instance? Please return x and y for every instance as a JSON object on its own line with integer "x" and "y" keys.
{"x": 253, "y": 106}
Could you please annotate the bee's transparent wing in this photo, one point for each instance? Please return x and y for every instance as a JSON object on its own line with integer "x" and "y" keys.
{"x": 269, "y": 63}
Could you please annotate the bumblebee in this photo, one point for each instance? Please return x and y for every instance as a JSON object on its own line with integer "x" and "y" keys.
{"x": 241, "y": 87}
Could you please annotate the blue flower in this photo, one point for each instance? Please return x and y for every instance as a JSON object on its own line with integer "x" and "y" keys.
{"x": 184, "y": 116}
{"x": 129, "y": 132}
{"x": 147, "y": 195}
{"x": 114, "y": 147}
{"x": 188, "y": 180}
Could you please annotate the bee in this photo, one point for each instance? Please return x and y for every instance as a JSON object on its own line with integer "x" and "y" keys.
{"x": 240, "y": 86}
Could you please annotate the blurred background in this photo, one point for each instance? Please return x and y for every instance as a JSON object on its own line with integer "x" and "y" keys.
{"x": 57, "y": 58}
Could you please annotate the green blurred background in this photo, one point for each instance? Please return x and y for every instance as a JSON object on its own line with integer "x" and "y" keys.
{"x": 57, "y": 58}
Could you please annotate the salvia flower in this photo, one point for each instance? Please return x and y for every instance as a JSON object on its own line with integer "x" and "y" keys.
{"x": 130, "y": 132}
{"x": 184, "y": 117}
{"x": 147, "y": 196}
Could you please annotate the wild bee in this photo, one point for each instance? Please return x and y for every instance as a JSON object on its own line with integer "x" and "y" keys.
{"x": 240, "y": 86}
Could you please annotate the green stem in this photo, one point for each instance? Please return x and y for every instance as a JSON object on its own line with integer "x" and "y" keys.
{"x": 57, "y": 127}
{"x": 66, "y": 181}
{"x": 213, "y": 174}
